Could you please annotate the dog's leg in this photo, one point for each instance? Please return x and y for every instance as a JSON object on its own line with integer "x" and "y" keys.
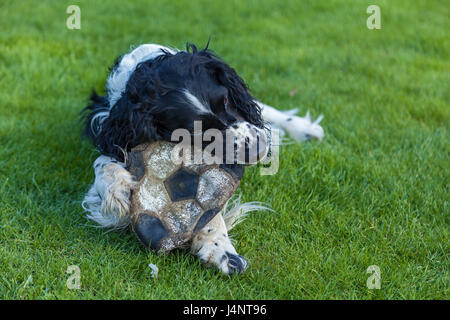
{"x": 108, "y": 199}
{"x": 299, "y": 128}
{"x": 213, "y": 246}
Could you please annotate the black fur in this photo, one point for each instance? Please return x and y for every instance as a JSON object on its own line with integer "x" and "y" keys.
{"x": 154, "y": 104}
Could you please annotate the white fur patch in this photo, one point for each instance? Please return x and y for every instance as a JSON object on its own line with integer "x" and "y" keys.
{"x": 108, "y": 199}
{"x": 97, "y": 121}
{"x": 196, "y": 102}
{"x": 233, "y": 212}
{"x": 117, "y": 80}
{"x": 93, "y": 204}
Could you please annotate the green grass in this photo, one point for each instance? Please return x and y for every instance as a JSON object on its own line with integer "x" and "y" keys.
{"x": 373, "y": 192}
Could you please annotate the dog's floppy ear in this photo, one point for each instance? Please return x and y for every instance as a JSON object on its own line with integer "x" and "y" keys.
{"x": 238, "y": 92}
{"x": 130, "y": 121}
{"x": 94, "y": 114}
{"x": 128, "y": 125}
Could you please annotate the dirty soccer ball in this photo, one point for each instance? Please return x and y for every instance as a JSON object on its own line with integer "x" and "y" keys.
{"x": 172, "y": 202}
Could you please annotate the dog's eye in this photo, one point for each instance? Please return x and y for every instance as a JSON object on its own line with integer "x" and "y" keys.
{"x": 225, "y": 101}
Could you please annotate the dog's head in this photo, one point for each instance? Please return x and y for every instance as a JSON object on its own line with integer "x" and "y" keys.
{"x": 169, "y": 91}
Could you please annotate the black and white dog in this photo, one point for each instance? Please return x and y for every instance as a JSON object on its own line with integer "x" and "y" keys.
{"x": 154, "y": 90}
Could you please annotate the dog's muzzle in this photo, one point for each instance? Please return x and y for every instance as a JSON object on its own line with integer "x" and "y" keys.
{"x": 245, "y": 143}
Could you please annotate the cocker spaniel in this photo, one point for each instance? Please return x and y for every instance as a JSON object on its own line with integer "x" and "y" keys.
{"x": 154, "y": 90}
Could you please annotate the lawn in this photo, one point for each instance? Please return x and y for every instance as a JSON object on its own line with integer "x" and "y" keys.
{"x": 373, "y": 192}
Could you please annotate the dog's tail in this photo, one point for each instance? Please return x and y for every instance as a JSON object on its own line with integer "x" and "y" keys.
{"x": 94, "y": 115}
{"x": 233, "y": 212}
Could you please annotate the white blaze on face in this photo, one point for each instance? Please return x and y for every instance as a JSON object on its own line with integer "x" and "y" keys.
{"x": 201, "y": 107}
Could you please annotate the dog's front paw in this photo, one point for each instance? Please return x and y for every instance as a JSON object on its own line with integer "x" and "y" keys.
{"x": 219, "y": 252}
{"x": 117, "y": 197}
{"x": 227, "y": 262}
{"x": 117, "y": 202}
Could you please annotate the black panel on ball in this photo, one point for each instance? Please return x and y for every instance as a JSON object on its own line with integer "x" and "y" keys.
{"x": 182, "y": 185}
{"x": 150, "y": 230}
{"x": 236, "y": 170}
{"x": 205, "y": 218}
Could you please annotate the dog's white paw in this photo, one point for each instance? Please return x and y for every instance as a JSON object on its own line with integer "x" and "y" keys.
{"x": 117, "y": 202}
{"x": 117, "y": 198}
{"x": 108, "y": 199}
{"x": 299, "y": 128}
{"x": 217, "y": 250}
{"x": 303, "y": 128}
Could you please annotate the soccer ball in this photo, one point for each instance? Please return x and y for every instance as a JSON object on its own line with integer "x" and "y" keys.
{"x": 171, "y": 202}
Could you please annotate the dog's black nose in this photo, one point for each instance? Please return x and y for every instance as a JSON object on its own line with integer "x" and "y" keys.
{"x": 236, "y": 263}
